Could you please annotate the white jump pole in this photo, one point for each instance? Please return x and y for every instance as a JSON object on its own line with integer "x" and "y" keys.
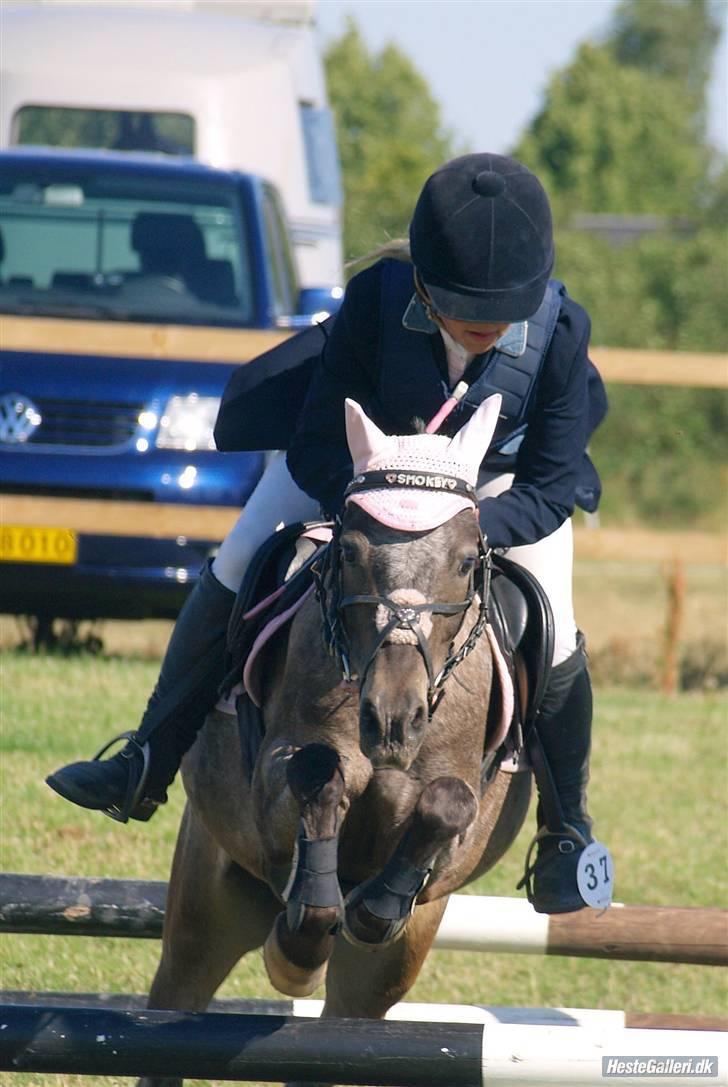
{"x": 548, "y": 1047}
{"x": 557, "y": 1056}
{"x": 483, "y": 922}
{"x": 492, "y": 1015}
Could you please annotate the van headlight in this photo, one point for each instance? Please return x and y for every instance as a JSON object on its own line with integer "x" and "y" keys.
{"x": 187, "y": 422}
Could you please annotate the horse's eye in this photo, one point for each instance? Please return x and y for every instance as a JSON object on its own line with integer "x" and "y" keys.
{"x": 467, "y": 566}
{"x": 348, "y": 553}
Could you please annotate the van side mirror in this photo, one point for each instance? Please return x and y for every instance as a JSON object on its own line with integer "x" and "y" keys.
{"x": 315, "y": 304}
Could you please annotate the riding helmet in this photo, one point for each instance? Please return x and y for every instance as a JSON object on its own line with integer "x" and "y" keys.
{"x": 481, "y": 239}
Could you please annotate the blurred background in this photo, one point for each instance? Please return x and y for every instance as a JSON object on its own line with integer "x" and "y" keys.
{"x": 620, "y": 106}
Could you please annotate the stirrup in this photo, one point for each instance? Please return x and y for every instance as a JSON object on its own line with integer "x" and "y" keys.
{"x": 566, "y": 831}
{"x": 134, "y": 805}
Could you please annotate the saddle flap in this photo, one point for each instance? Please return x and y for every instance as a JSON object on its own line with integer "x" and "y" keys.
{"x": 523, "y": 622}
{"x": 509, "y": 611}
{"x": 277, "y": 580}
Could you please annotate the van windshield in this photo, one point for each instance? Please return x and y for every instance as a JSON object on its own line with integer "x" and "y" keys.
{"x": 123, "y": 247}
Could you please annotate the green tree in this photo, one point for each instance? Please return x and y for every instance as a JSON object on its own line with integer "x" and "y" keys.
{"x": 390, "y": 138}
{"x": 612, "y": 138}
{"x": 668, "y": 38}
{"x": 622, "y": 132}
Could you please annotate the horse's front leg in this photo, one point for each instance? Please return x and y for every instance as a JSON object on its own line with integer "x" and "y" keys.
{"x": 363, "y": 985}
{"x": 378, "y": 910}
{"x": 298, "y": 947}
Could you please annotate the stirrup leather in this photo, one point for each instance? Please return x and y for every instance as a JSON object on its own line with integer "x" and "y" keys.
{"x": 134, "y": 805}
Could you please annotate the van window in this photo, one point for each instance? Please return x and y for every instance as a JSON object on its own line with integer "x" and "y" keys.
{"x": 115, "y": 130}
{"x": 131, "y": 248}
{"x": 322, "y": 162}
{"x": 284, "y": 283}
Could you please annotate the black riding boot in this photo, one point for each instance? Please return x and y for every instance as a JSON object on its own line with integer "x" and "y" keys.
{"x": 564, "y": 728}
{"x": 134, "y": 782}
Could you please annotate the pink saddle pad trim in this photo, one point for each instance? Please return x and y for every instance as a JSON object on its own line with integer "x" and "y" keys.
{"x": 508, "y": 701}
{"x": 251, "y": 676}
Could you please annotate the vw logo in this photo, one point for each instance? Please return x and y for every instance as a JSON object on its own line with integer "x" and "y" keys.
{"x": 19, "y": 418}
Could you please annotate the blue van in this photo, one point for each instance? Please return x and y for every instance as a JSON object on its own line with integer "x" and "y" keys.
{"x": 131, "y": 287}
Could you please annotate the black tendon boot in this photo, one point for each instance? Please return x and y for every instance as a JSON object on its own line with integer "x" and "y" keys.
{"x": 134, "y": 782}
{"x": 564, "y": 728}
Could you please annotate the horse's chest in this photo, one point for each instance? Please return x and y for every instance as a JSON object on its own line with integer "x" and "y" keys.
{"x": 376, "y": 820}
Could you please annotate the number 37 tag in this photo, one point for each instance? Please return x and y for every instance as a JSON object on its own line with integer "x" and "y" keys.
{"x": 595, "y": 876}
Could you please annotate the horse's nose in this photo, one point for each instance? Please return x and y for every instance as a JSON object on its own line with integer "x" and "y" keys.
{"x": 391, "y": 729}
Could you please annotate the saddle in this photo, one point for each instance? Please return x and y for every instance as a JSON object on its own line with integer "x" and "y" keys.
{"x": 522, "y": 621}
{"x": 280, "y": 578}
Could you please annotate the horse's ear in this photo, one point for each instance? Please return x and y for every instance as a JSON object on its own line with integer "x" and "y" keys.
{"x": 471, "y": 442}
{"x": 366, "y": 440}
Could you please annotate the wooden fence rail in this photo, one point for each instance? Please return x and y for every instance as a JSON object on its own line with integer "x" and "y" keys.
{"x": 629, "y": 366}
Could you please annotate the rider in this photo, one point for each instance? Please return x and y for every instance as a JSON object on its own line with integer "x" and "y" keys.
{"x": 408, "y": 335}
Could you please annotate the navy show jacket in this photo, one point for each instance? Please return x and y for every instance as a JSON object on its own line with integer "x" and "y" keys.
{"x": 552, "y": 469}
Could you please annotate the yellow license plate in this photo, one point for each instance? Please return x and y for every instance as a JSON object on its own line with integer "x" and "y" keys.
{"x": 35, "y": 543}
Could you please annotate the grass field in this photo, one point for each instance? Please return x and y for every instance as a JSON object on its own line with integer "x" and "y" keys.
{"x": 658, "y": 795}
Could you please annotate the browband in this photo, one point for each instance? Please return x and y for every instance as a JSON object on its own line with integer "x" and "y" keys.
{"x": 385, "y": 478}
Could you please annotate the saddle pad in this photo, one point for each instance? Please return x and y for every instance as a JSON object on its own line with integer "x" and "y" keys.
{"x": 251, "y": 671}
{"x": 502, "y": 677}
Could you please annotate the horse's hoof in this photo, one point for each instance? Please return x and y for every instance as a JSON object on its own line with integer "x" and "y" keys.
{"x": 315, "y": 776}
{"x": 370, "y": 933}
{"x": 285, "y": 976}
{"x": 366, "y": 931}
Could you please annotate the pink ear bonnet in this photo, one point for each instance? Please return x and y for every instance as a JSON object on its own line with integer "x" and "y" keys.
{"x": 410, "y": 509}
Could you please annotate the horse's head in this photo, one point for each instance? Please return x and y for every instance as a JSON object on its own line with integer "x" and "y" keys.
{"x": 406, "y": 592}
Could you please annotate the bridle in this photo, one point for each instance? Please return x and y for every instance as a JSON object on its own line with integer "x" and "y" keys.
{"x": 327, "y": 577}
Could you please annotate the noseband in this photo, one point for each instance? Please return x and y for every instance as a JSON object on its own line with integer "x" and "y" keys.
{"x": 327, "y": 577}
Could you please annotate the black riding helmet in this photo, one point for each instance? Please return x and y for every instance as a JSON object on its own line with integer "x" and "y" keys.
{"x": 481, "y": 239}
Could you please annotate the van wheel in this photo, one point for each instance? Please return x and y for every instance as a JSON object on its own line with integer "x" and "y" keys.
{"x": 46, "y": 634}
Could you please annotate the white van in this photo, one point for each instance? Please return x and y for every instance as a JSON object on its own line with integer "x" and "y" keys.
{"x": 236, "y": 85}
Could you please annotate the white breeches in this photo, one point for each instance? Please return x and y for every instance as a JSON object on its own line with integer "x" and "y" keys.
{"x": 278, "y": 501}
{"x": 275, "y": 502}
{"x": 551, "y": 561}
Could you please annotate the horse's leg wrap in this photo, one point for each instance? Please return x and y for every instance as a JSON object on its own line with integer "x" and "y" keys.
{"x": 297, "y": 949}
{"x": 314, "y": 879}
{"x": 377, "y": 911}
{"x": 316, "y": 780}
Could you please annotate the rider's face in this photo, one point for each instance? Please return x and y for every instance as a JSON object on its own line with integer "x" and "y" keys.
{"x": 475, "y": 336}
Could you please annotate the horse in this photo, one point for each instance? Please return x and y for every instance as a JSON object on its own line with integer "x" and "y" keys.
{"x": 367, "y": 804}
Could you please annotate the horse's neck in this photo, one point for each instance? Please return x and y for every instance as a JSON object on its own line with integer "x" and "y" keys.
{"x": 300, "y": 666}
